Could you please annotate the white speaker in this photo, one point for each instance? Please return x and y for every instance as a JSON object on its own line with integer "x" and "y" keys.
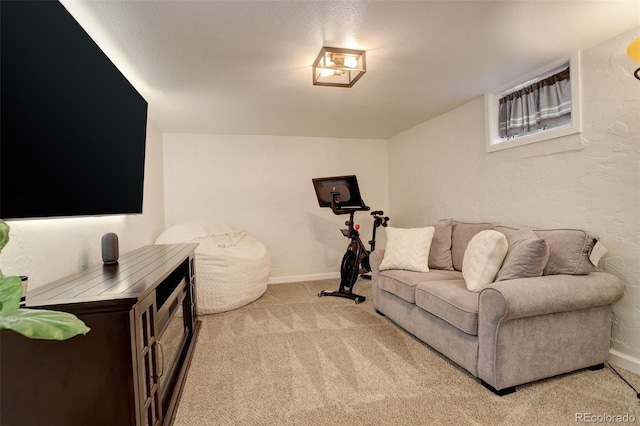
{"x": 110, "y": 248}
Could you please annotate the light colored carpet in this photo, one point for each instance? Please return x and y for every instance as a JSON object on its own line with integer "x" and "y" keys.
{"x": 292, "y": 358}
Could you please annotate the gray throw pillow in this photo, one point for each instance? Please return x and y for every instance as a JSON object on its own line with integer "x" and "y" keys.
{"x": 440, "y": 253}
{"x": 527, "y": 256}
{"x": 569, "y": 250}
{"x": 461, "y": 234}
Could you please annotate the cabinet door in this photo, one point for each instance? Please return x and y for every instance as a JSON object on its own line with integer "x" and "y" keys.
{"x": 149, "y": 366}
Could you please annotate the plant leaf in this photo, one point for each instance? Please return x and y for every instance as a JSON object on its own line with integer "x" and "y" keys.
{"x": 10, "y": 293}
{"x": 4, "y": 234}
{"x": 43, "y": 324}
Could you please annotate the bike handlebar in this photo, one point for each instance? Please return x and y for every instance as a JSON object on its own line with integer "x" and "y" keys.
{"x": 379, "y": 219}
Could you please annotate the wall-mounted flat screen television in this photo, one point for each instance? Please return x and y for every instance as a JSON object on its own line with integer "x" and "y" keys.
{"x": 73, "y": 128}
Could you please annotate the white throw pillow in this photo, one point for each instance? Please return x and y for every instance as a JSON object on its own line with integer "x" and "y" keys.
{"x": 483, "y": 258}
{"x": 407, "y": 248}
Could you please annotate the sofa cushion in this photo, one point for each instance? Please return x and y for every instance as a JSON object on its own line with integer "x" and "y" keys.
{"x": 483, "y": 258}
{"x": 569, "y": 251}
{"x": 526, "y": 257}
{"x": 403, "y": 283}
{"x": 407, "y": 249}
{"x": 440, "y": 252}
{"x": 450, "y": 301}
{"x": 461, "y": 234}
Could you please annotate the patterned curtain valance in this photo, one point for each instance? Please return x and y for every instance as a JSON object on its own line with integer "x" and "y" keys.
{"x": 545, "y": 103}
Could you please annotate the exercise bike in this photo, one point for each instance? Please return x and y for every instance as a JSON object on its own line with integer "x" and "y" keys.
{"x": 344, "y": 198}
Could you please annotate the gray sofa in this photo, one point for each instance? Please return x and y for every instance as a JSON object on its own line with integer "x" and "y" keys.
{"x": 517, "y": 329}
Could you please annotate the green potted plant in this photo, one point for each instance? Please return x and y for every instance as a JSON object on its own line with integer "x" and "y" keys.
{"x": 32, "y": 323}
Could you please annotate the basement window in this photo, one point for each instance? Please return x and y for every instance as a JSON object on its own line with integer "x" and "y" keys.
{"x": 544, "y": 105}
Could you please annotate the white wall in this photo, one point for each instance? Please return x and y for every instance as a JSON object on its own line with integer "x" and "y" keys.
{"x": 439, "y": 169}
{"x": 48, "y": 249}
{"x": 263, "y": 185}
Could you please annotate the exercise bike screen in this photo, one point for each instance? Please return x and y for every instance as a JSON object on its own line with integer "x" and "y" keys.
{"x": 345, "y": 186}
{"x": 343, "y": 196}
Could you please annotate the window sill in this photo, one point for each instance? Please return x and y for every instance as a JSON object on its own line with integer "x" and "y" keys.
{"x": 557, "y": 132}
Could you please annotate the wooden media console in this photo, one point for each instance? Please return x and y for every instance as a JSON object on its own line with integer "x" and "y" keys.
{"x": 130, "y": 368}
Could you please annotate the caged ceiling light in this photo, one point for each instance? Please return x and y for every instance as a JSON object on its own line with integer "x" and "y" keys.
{"x": 338, "y": 67}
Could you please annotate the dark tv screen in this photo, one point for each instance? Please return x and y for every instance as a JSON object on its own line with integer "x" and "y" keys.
{"x": 73, "y": 128}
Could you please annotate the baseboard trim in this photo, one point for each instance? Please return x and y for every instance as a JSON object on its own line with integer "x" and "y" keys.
{"x": 299, "y": 278}
{"x": 624, "y": 361}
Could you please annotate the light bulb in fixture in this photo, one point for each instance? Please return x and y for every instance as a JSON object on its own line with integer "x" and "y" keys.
{"x": 329, "y": 72}
{"x": 633, "y": 52}
{"x": 338, "y": 60}
{"x": 350, "y": 61}
{"x": 326, "y": 72}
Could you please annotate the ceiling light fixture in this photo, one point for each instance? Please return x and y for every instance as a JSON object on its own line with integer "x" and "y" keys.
{"x": 338, "y": 67}
{"x": 633, "y": 51}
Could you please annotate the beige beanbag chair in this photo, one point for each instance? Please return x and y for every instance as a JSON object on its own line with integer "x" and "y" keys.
{"x": 232, "y": 267}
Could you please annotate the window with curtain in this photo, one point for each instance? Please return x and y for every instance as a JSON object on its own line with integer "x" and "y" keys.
{"x": 542, "y": 105}
{"x": 539, "y": 106}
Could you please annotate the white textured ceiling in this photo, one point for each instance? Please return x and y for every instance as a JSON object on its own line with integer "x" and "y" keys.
{"x": 244, "y": 67}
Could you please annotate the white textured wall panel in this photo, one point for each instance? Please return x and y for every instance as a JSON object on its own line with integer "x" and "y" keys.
{"x": 263, "y": 185}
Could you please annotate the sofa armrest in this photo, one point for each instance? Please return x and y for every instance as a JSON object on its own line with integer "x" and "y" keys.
{"x": 375, "y": 258}
{"x": 527, "y": 297}
{"x": 533, "y": 328}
